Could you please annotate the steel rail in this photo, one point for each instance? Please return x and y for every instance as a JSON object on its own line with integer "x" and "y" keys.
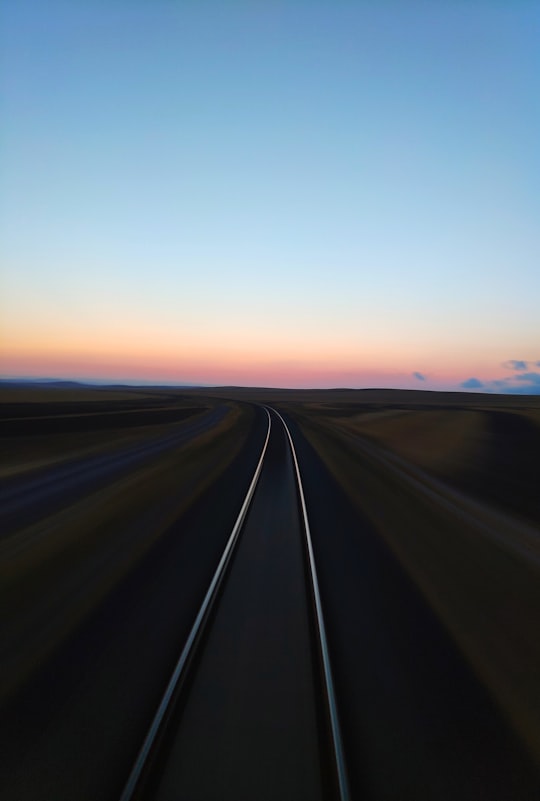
{"x": 337, "y": 746}
{"x": 146, "y": 748}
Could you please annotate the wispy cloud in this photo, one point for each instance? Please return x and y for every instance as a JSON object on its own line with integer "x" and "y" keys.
{"x": 419, "y": 376}
{"x": 472, "y": 383}
{"x": 530, "y": 378}
{"x": 525, "y": 379}
{"x": 520, "y": 384}
{"x": 517, "y": 364}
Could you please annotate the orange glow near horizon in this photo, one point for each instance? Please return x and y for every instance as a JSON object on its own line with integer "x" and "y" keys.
{"x": 219, "y": 366}
{"x": 165, "y": 354}
{"x": 332, "y": 235}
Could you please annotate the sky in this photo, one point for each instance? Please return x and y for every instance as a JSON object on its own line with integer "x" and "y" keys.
{"x": 303, "y": 194}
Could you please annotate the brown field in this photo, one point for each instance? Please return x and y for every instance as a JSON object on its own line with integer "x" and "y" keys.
{"x": 452, "y": 487}
{"x": 449, "y": 481}
{"x": 50, "y": 408}
{"x": 55, "y": 571}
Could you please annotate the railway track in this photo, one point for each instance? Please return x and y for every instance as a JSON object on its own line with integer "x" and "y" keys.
{"x": 250, "y": 710}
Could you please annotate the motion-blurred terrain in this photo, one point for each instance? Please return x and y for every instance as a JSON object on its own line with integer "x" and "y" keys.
{"x": 88, "y": 486}
{"x": 115, "y": 507}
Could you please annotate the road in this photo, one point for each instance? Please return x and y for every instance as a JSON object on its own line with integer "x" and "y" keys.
{"x": 250, "y": 718}
{"x": 73, "y": 730}
{"x": 27, "y": 499}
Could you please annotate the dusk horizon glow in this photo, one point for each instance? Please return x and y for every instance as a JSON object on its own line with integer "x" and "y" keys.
{"x": 289, "y": 195}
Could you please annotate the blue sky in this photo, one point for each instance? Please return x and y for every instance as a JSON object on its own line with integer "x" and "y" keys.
{"x": 271, "y": 192}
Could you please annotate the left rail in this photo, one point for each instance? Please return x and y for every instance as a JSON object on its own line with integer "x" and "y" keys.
{"x": 203, "y": 614}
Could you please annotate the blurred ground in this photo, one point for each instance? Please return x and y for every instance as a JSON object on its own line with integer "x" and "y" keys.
{"x": 54, "y": 571}
{"x": 448, "y": 481}
{"x": 454, "y": 491}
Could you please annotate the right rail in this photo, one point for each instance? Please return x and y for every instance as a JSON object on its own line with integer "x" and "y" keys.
{"x": 337, "y": 745}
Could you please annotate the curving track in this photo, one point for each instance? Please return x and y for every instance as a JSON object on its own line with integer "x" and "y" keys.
{"x": 216, "y": 669}
{"x": 250, "y": 710}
